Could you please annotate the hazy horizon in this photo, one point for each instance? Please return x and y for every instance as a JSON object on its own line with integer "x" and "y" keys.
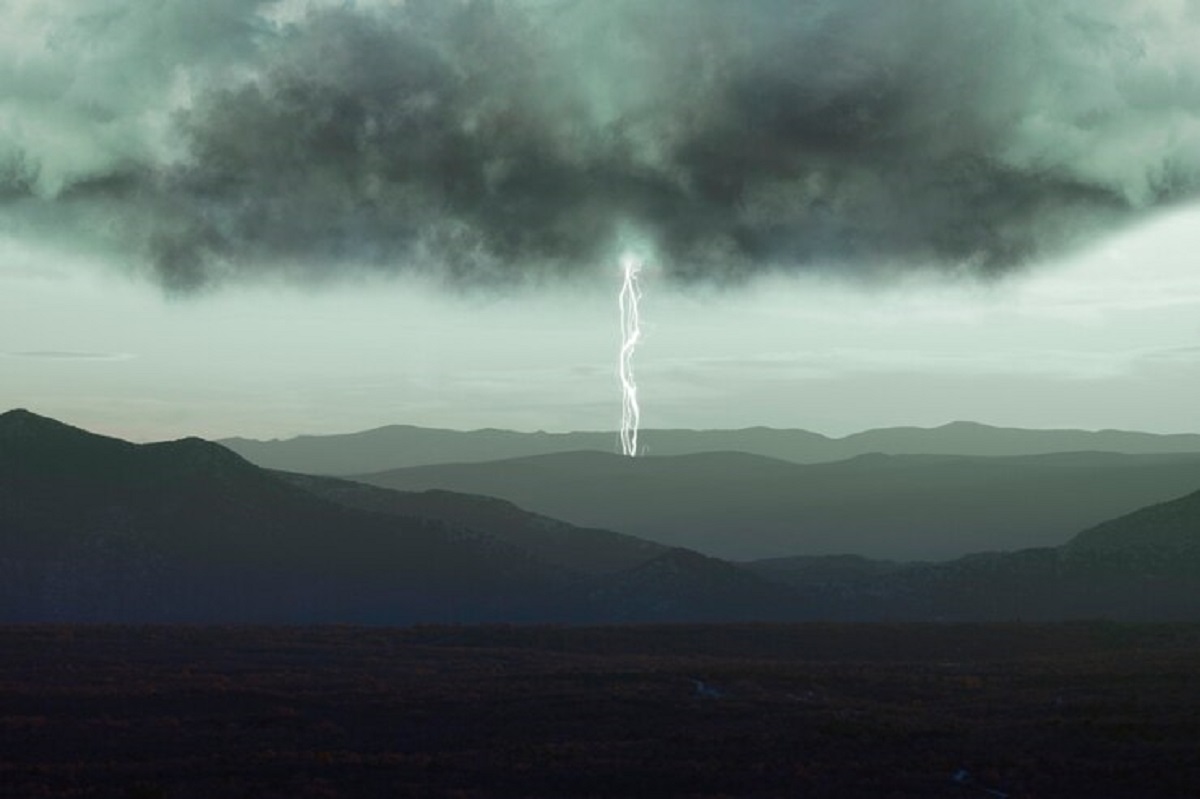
{"x": 1109, "y": 339}
{"x": 613, "y": 431}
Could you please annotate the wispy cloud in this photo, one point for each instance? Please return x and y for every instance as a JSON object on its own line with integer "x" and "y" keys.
{"x": 1172, "y": 356}
{"x": 846, "y": 362}
{"x": 69, "y": 355}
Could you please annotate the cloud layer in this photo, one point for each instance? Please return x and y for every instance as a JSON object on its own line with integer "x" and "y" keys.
{"x": 498, "y": 142}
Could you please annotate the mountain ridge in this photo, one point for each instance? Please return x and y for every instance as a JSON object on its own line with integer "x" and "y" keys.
{"x": 583, "y": 550}
{"x": 402, "y": 446}
{"x": 740, "y": 506}
{"x": 98, "y": 529}
{"x": 191, "y": 512}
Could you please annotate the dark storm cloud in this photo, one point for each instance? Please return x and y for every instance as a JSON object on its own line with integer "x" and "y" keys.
{"x": 503, "y": 142}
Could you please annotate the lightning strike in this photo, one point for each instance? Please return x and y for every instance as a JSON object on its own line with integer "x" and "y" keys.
{"x": 631, "y": 332}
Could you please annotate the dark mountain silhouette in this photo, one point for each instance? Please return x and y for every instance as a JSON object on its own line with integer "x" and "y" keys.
{"x": 1169, "y": 529}
{"x": 400, "y": 446}
{"x": 1144, "y": 566}
{"x": 742, "y": 507}
{"x": 632, "y": 579}
{"x": 186, "y": 529}
{"x": 95, "y": 528}
{"x": 98, "y": 529}
{"x": 583, "y": 551}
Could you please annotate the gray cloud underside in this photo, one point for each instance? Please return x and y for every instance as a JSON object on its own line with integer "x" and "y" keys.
{"x": 506, "y": 142}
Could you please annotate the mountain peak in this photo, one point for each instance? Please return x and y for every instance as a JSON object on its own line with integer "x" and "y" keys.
{"x": 22, "y": 423}
{"x": 20, "y": 414}
{"x": 964, "y": 424}
{"x": 198, "y": 453}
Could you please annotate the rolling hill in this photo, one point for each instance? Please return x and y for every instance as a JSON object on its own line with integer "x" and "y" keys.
{"x": 403, "y": 446}
{"x": 743, "y": 507}
{"x": 1171, "y": 529}
{"x": 95, "y": 527}
{"x": 99, "y": 529}
{"x": 583, "y": 551}
{"x": 1144, "y": 566}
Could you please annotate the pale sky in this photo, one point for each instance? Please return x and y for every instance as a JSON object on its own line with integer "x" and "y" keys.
{"x": 265, "y": 218}
{"x": 1109, "y": 338}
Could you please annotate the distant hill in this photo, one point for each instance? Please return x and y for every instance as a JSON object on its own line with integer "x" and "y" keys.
{"x": 583, "y": 551}
{"x": 628, "y": 578}
{"x": 98, "y": 529}
{"x": 188, "y": 530}
{"x": 1171, "y": 529}
{"x": 405, "y": 446}
{"x": 1144, "y": 566}
{"x": 904, "y": 507}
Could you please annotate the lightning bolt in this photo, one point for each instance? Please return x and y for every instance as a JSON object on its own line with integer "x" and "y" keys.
{"x": 631, "y": 332}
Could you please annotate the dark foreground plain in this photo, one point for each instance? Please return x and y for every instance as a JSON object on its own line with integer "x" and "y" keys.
{"x": 1074, "y": 710}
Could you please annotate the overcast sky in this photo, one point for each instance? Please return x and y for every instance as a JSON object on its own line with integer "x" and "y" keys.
{"x": 265, "y": 219}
